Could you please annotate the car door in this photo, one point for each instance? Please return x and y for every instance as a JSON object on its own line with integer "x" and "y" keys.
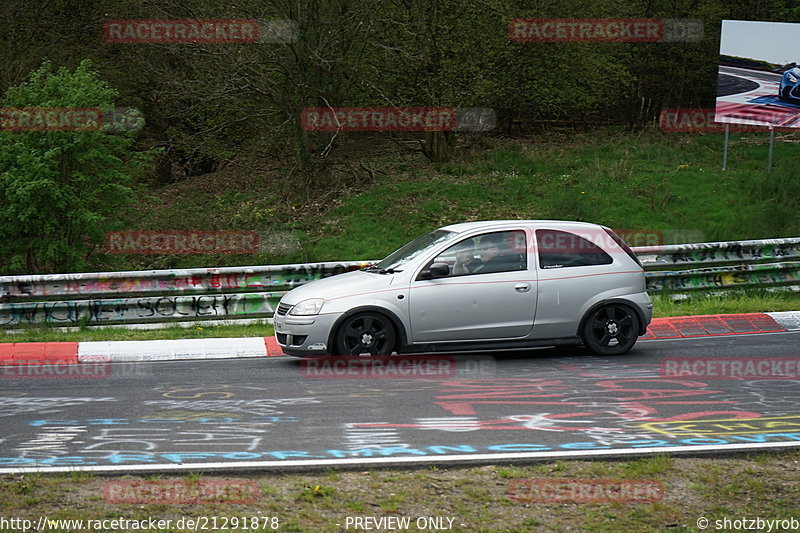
{"x": 574, "y": 270}
{"x": 497, "y": 301}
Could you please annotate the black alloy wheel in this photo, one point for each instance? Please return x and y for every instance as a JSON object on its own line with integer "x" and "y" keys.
{"x": 611, "y": 330}
{"x": 366, "y": 335}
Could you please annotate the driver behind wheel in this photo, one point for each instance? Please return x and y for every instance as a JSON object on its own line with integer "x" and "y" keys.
{"x": 494, "y": 255}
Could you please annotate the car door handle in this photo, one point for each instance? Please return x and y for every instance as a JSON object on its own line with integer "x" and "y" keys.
{"x": 522, "y": 287}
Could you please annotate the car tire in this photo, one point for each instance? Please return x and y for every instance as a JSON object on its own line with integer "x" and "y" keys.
{"x": 611, "y": 330}
{"x": 366, "y": 335}
{"x": 784, "y": 94}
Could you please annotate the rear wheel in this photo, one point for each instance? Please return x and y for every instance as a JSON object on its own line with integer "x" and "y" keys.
{"x": 366, "y": 335}
{"x": 611, "y": 330}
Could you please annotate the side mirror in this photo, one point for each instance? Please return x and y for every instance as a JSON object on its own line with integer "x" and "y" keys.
{"x": 439, "y": 270}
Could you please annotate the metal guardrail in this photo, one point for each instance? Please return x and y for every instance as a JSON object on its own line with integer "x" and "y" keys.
{"x": 721, "y": 265}
{"x": 708, "y": 253}
{"x": 155, "y": 296}
{"x": 231, "y": 293}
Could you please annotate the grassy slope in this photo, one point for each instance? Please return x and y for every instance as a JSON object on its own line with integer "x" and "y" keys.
{"x": 656, "y": 181}
{"x": 650, "y": 181}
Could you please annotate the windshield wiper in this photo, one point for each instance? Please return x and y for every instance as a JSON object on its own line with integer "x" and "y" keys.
{"x": 374, "y": 268}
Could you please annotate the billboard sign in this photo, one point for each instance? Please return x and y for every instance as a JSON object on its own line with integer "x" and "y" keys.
{"x": 758, "y": 80}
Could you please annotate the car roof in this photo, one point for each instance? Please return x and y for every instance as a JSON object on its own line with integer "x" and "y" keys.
{"x": 487, "y": 224}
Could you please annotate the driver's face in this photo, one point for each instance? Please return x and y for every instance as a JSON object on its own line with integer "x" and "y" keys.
{"x": 488, "y": 251}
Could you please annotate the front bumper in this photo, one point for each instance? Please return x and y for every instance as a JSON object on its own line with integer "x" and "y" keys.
{"x": 305, "y": 336}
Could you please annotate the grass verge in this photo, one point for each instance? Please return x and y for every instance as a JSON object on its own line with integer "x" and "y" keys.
{"x": 476, "y": 498}
{"x": 757, "y": 301}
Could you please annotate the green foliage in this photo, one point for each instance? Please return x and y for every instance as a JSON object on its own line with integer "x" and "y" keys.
{"x": 206, "y": 104}
{"x": 209, "y": 104}
{"x": 62, "y": 190}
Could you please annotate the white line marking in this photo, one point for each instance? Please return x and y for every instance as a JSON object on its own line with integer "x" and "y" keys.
{"x": 386, "y": 461}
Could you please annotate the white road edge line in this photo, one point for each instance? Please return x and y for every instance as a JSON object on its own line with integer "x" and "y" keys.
{"x": 387, "y": 461}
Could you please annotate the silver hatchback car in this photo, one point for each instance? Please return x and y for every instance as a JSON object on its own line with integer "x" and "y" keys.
{"x": 477, "y": 286}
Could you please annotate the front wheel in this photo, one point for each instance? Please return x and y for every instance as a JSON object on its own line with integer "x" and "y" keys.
{"x": 366, "y": 334}
{"x": 611, "y": 330}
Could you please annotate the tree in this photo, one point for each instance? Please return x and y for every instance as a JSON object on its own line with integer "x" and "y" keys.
{"x": 441, "y": 54}
{"x": 61, "y": 189}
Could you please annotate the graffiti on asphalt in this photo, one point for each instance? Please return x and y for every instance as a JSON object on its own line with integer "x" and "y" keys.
{"x": 81, "y": 459}
{"x": 595, "y": 405}
{"x": 13, "y": 406}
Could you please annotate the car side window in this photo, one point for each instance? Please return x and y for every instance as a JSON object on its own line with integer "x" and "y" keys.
{"x": 499, "y": 251}
{"x": 564, "y": 249}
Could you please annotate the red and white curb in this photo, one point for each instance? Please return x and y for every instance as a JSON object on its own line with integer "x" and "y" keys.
{"x": 157, "y": 350}
{"x": 226, "y": 348}
{"x": 679, "y": 327}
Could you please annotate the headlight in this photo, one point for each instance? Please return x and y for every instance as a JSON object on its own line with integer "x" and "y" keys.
{"x": 791, "y": 78}
{"x": 308, "y": 307}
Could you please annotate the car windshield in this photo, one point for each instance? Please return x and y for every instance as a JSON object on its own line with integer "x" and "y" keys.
{"x": 414, "y": 249}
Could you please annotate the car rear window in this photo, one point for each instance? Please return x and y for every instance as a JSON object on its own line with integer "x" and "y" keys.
{"x": 564, "y": 249}
{"x": 622, "y": 244}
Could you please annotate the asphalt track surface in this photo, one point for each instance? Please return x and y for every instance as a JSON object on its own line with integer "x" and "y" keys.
{"x": 751, "y": 97}
{"x": 278, "y": 413}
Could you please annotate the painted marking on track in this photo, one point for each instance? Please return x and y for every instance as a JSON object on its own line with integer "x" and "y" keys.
{"x": 726, "y": 426}
{"x": 387, "y": 461}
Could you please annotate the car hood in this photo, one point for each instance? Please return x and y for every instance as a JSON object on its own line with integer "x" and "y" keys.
{"x": 346, "y": 284}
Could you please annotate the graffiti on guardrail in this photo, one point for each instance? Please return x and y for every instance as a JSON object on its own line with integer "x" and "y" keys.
{"x": 140, "y": 310}
{"x": 719, "y": 252}
{"x": 69, "y": 286}
{"x": 254, "y": 291}
{"x": 739, "y": 276}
